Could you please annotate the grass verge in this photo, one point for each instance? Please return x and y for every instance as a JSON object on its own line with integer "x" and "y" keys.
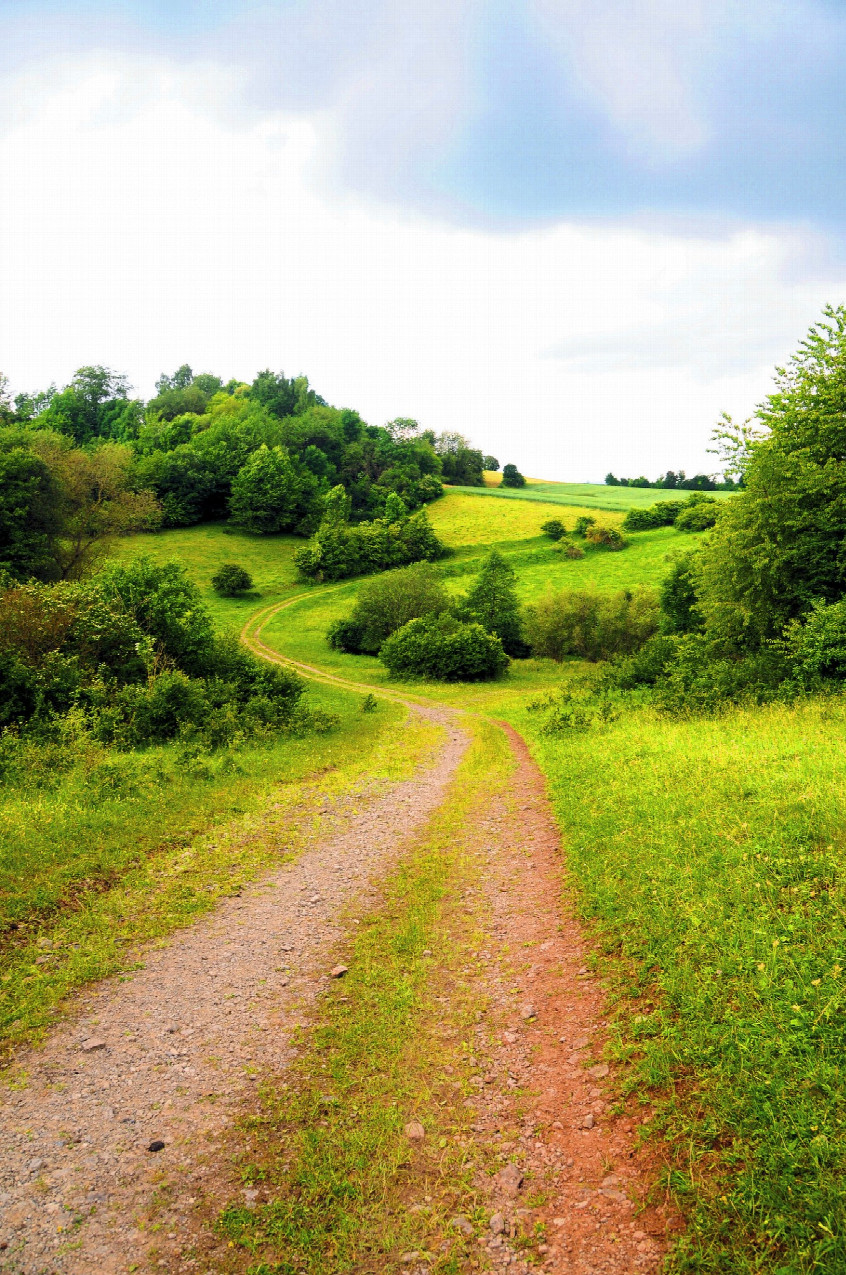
{"x": 124, "y": 848}
{"x": 345, "y": 1189}
{"x": 709, "y": 855}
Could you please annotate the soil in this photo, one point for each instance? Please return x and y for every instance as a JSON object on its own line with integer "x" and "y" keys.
{"x": 171, "y": 1054}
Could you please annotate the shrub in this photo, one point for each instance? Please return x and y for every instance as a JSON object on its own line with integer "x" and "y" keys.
{"x": 554, "y": 528}
{"x": 700, "y": 513}
{"x": 385, "y": 605}
{"x": 345, "y": 635}
{"x": 582, "y": 523}
{"x": 816, "y": 646}
{"x": 231, "y": 580}
{"x": 599, "y": 537}
{"x": 594, "y": 626}
{"x": 662, "y": 514}
{"x": 442, "y": 648}
{"x": 573, "y": 551}
{"x": 679, "y": 612}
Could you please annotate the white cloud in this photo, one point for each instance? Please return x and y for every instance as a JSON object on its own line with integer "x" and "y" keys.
{"x": 149, "y": 225}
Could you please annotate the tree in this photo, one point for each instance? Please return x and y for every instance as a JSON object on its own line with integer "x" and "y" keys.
{"x": 461, "y": 464}
{"x": 91, "y": 406}
{"x": 734, "y": 443}
{"x": 271, "y": 494}
{"x": 97, "y": 500}
{"x": 611, "y": 481}
{"x": 778, "y": 545}
{"x": 491, "y": 464}
{"x": 275, "y": 392}
{"x": 511, "y": 477}
{"x": 492, "y": 602}
{"x": 387, "y": 603}
{"x": 30, "y": 519}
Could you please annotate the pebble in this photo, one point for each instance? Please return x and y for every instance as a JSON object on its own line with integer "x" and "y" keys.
{"x": 90, "y": 1046}
{"x": 414, "y": 1131}
{"x": 338, "y": 971}
{"x": 509, "y": 1180}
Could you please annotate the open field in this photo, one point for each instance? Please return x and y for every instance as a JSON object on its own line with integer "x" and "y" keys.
{"x": 463, "y": 517}
{"x": 587, "y": 496}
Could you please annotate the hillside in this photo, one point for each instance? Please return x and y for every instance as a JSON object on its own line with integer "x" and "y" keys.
{"x": 701, "y": 857}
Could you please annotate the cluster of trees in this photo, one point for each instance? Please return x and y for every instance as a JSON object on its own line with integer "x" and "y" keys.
{"x": 134, "y": 653}
{"x": 83, "y": 464}
{"x": 407, "y": 618}
{"x": 672, "y": 481}
{"x": 340, "y": 548}
{"x": 759, "y": 611}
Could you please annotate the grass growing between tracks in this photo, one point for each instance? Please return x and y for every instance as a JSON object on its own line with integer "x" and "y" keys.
{"x": 117, "y": 849}
{"x": 330, "y": 1152}
{"x": 711, "y": 857}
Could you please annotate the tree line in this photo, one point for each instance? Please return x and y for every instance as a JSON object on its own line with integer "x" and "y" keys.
{"x": 85, "y": 463}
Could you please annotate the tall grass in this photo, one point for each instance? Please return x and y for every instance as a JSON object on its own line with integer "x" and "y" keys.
{"x": 709, "y": 855}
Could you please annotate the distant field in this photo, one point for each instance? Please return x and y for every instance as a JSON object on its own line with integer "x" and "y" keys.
{"x": 589, "y": 495}
{"x": 461, "y": 518}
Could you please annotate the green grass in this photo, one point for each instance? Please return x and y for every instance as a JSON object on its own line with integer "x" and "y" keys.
{"x": 461, "y": 518}
{"x": 112, "y": 849}
{"x": 201, "y": 550}
{"x": 709, "y": 856}
{"x": 591, "y": 496}
{"x": 330, "y": 1150}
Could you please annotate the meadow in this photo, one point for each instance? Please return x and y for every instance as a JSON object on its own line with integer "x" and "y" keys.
{"x": 706, "y": 855}
{"x": 588, "y": 497}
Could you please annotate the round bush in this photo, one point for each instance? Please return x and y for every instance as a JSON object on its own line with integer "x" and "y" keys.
{"x": 554, "y": 528}
{"x": 231, "y": 580}
{"x": 441, "y": 648}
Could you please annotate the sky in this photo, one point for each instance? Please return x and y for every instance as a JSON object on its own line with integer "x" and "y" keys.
{"x": 576, "y": 231}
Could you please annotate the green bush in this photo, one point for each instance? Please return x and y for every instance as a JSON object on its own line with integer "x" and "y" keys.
{"x": 134, "y": 654}
{"x": 385, "y": 605}
{"x": 594, "y": 626}
{"x": 231, "y": 580}
{"x": 679, "y": 610}
{"x": 582, "y": 523}
{"x": 554, "y": 528}
{"x": 700, "y": 513}
{"x": 662, "y": 514}
{"x": 346, "y": 636}
{"x": 599, "y": 537}
{"x": 816, "y": 645}
{"x": 572, "y": 551}
{"x": 442, "y": 648}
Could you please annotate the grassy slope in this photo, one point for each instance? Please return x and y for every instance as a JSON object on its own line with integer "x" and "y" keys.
{"x": 589, "y": 496}
{"x": 708, "y": 856}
